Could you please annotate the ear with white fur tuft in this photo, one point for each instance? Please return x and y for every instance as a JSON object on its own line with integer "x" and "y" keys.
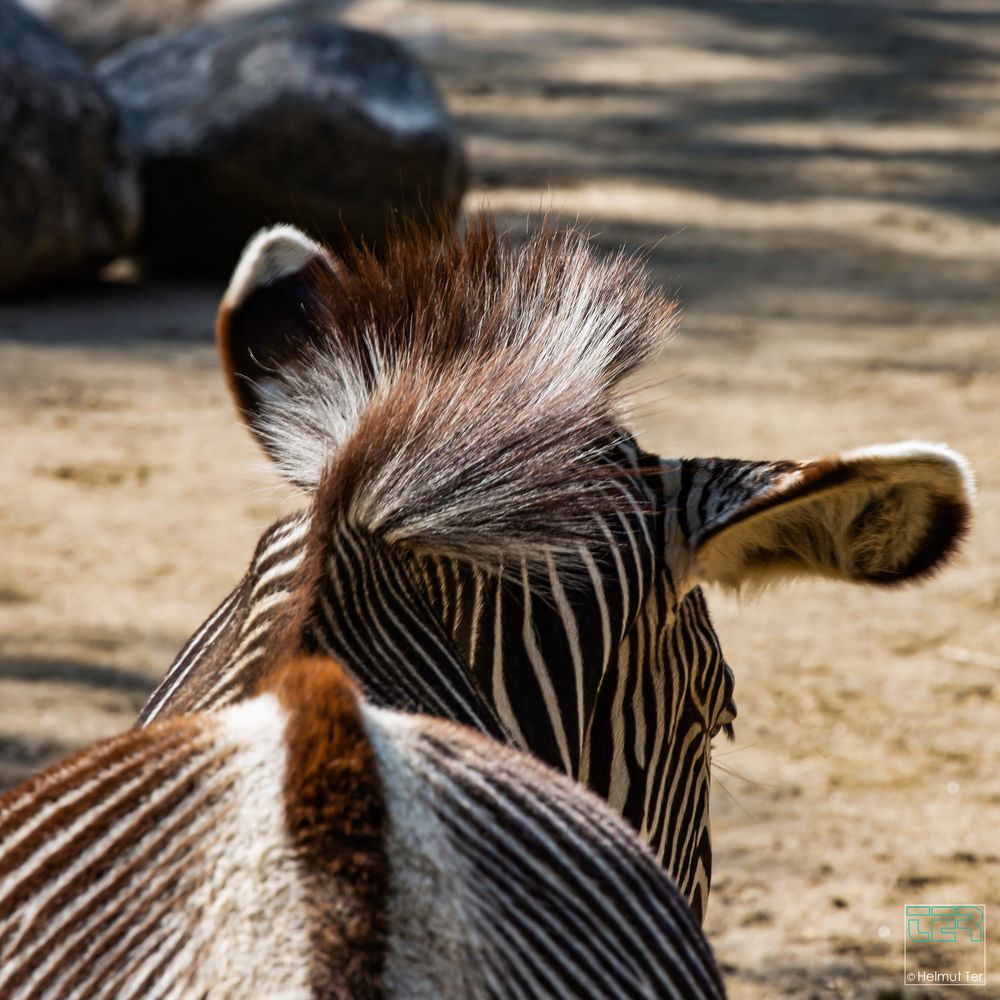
{"x": 882, "y": 515}
{"x": 270, "y": 314}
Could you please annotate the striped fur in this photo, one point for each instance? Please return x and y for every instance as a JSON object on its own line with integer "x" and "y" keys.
{"x": 484, "y": 541}
{"x": 303, "y": 844}
{"x": 156, "y": 865}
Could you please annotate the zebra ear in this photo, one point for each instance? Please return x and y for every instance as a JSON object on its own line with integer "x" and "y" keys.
{"x": 270, "y": 314}
{"x": 880, "y": 515}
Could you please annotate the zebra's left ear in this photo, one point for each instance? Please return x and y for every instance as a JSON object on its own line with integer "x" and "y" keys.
{"x": 273, "y": 310}
{"x": 880, "y": 515}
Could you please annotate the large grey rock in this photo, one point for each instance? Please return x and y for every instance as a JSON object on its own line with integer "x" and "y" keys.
{"x": 69, "y": 197}
{"x": 96, "y": 28}
{"x": 281, "y": 118}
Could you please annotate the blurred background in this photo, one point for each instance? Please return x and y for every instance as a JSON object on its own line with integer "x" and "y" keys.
{"x": 818, "y": 182}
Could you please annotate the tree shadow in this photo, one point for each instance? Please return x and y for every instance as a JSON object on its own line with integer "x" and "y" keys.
{"x": 21, "y": 756}
{"x": 100, "y": 687}
{"x": 157, "y": 316}
{"x": 65, "y": 671}
{"x": 850, "y": 63}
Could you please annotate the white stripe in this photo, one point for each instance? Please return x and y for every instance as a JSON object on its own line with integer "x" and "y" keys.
{"x": 541, "y": 671}
{"x": 659, "y": 750}
{"x": 129, "y": 925}
{"x": 619, "y": 778}
{"x": 199, "y": 644}
{"x": 281, "y": 569}
{"x": 641, "y": 645}
{"x": 478, "y": 589}
{"x": 93, "y": 817}
{"x": 622, "y": 580}
{"x": 65, "y": 802}
{"x": 249, "y": 638}
{"x": 401, "y": 680}
{"x": 501, "y": 697}
{"x": 136, "y": 976}
{"x": 264, "y": 604}
{"x": 679, "y": 784}
{"x": 209, "y": 700}
{"x": 382, "y": 608}
{"x": 384, "y": 645}
{"x": 570, "y": 809}
{"x": 521, "y": 884}
{"x": 254, "y": 939}
{"x": 294, "y": 529}
{"x": 546, "y": 875}
{"x": 67, "y": 938}
{"x": 568, "y": 618}
{"x": 598, "y": 585}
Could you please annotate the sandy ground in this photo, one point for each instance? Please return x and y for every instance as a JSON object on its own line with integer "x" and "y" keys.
{"x": 820, "y": 183}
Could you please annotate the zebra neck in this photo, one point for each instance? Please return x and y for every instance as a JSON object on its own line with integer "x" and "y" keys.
{"x": 368, "y": 613}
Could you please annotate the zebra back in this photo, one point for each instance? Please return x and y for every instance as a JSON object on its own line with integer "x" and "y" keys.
{"x": 305, "y": 844}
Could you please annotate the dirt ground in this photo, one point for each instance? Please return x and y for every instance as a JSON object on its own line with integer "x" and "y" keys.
{"x": 820, "y": 183}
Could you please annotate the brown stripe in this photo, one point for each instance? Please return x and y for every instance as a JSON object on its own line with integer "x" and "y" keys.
{"x": 135, "y": 869}
{"x": 163, "y": 759}
{"x": 137, "y": 914}
{"x": 54, "y": 865}
{"x": 336, "y": 817}
{"x": 20, "y": 802}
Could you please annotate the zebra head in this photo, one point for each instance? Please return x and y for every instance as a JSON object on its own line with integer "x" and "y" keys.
{"x": 483, "y": 538}
{"x": 881, "y": 516}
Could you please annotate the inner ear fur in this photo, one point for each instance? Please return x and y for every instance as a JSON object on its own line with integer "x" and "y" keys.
{"x": 272, "y": 311}
{"x": 880, "y": 515}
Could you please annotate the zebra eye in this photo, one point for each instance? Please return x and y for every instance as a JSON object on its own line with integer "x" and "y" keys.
{"x": 726, "y": 728}
{"x": 724, "y": 722}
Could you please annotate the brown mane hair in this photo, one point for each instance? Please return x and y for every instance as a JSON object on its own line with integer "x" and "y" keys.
{"x": 458, "y": 393}
{"x": 335, "y": 815}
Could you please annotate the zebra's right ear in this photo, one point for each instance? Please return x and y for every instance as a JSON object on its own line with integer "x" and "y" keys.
{"x": 882, "y": 515}
{"x": 273, "y": 310}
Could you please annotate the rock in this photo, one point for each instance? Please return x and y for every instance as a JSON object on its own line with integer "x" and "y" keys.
{"x": 96, "y": 28}
{"x": 280, "y": 118}
{"x": 69, "y": 196}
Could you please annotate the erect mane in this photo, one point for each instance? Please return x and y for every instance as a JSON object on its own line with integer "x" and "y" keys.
{"x": 460, "y": 393}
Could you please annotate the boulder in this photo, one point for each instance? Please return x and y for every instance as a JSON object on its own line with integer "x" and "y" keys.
{"x": 96, "y": 28}
{"x": 69, "y": 195}
{"x": 280, "y": 118}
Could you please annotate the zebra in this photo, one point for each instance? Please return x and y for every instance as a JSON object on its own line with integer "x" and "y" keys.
{"x": 485, "y": 541}
{"x": 303, "y": 843}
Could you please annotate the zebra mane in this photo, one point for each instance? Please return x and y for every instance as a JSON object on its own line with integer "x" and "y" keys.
{"x": 461, "y": 394}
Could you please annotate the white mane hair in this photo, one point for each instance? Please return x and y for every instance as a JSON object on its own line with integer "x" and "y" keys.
{"x": 460, "y": 394}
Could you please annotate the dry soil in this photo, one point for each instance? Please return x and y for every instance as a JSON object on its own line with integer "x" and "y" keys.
{"x": 820, "y": 184}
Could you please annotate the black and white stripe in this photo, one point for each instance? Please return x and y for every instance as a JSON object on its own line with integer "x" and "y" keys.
{"x": 614, "y": 676}
{"x": 240, "y": 632}
{"x": 560, "y": 896}
{"x": 302, "y": 844}
{"x": 606, "y": 669}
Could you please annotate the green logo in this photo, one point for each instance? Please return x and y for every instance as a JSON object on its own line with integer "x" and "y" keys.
{"x": 946, "y": 923}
